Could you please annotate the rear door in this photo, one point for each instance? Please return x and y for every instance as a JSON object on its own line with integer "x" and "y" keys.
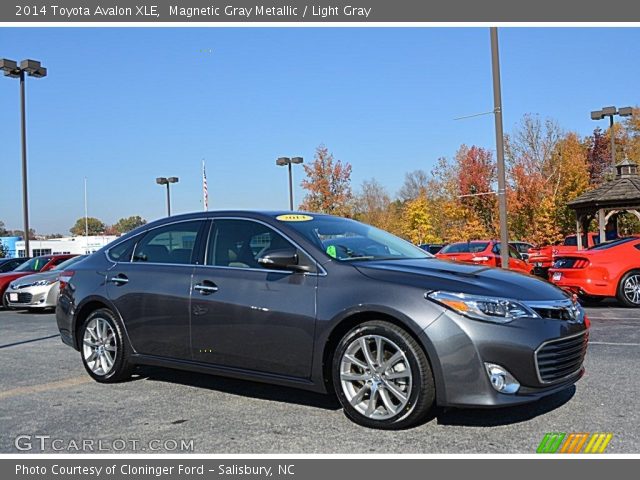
{"x": 246, "y": 316}
{"x": 151, "y": 291}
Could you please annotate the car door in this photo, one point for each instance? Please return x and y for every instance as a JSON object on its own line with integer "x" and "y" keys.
{"x": 152, "y": 290}
{"x": 246, "y": 316}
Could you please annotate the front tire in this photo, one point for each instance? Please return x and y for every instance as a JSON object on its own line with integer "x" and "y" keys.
{"x": 382, "y": 377}
{"x": 104, "y": 350}
{"x": 629, "y": 289}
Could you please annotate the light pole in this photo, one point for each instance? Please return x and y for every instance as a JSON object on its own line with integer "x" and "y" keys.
{"x": 167, "y": 181}
{"x": 611, "y": 112}
{"x": 497, "y": 110}
{"x": 33, "y": 69}
{"x": 281, "y": 162}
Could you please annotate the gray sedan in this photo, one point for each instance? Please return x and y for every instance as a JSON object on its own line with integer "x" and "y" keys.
{"x": 321, "y": 303}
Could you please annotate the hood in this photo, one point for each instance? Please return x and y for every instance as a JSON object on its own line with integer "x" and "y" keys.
{"x": 35, "y": 277}
{"x": 434, "y": 274}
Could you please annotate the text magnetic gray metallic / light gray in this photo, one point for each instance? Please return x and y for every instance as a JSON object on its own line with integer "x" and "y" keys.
{"x": 325, "y": 304}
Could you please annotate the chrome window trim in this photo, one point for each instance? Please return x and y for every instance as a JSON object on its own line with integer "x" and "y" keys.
{"x": 321, "y": 271}
{"x": 584, "y": 333}
{"x": 106, "y": 252}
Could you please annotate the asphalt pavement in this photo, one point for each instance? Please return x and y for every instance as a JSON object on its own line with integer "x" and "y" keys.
{"x": 49, "y": 404}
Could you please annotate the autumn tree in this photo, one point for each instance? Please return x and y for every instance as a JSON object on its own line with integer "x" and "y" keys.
{"x": 373, "y": 206}
{"x": 415, "y": 184}
{"x": 598, "y": 156}
{"x": 95, "y": 227}
{"x": 127, "y": 224}
{"x": 416, "y": 222}
{"x": 328, "y": 184}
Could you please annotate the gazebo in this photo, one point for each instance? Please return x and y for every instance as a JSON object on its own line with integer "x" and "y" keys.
{"x": 619, "y": 195}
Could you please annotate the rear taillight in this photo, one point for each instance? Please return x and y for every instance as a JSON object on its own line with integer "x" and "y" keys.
{"x": 65, "y": 278}
{"x": 581, "y": 263}
{"x": 480, "y": 259}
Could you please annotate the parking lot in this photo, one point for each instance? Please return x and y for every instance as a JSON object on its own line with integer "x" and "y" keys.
{"x": 45, "y": 391}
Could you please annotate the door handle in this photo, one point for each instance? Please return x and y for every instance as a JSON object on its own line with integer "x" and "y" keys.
{"x": 119, "y": 280}
{"x": 206, "y": 288}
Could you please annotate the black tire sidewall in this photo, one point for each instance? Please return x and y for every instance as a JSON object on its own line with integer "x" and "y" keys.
{"x": 121, "y": 368}
{"x": 621, "y": 296}
{"x": 390, "y": 331}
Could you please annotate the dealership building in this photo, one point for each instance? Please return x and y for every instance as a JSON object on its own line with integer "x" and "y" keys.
{"x": 64, "y": 245}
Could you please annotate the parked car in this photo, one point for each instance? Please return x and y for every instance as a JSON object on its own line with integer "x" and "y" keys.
{"x": 432, "y": 248}
{"x": 37, "y": 264}
{"x": 483, "y": 252}
{"x": 542, "y": 257}
{"x": 610, "y": 269}
{"x": 279, "y": 298}
{"x": 38, "y": 291}
{"x": 522, "y": 248}
{"x": 10, "y": 264}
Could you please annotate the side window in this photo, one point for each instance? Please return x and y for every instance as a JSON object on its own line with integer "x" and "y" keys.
{"x": 58, "y": 261}
{"x": 170, "y": 244}
{"x": 239, "y": 243}
{"x": 122, "y": 252}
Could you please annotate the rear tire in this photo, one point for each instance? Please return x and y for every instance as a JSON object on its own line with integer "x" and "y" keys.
{"x": 104, "y": 349}
{"x": 382, "y": 377}
{"x": 629, "y": 289}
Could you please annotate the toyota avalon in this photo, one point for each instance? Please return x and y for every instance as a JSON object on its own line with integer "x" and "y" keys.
{"x": 321, "y": 303}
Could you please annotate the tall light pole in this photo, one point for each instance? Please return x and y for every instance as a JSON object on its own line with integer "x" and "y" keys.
{"x": 286, "y": 161}
{"x": 611, "y": 112}
{"x": 167, "y": 181}
{"x": 502, "y": 182}
{"x": 33, "y": 69}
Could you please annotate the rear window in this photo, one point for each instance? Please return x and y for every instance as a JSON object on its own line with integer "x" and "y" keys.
{"x": 468, "y": 247}
{"x": 613, "y": 243}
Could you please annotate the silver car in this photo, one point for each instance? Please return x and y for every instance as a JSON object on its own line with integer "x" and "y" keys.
{"x": 37, "y": 291}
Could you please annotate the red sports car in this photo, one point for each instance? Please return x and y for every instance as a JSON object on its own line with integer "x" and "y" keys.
{"x": 483, "y": 252}
{"x": 35, "y": 265}
{"x": 611, "y": 269}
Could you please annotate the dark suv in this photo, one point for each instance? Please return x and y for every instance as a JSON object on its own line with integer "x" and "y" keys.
{"x": 321, "y": 303}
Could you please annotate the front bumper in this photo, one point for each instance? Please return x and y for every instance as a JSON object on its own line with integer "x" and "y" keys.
{"x": 462, "y": 346}
{"x": 30, "y": 297}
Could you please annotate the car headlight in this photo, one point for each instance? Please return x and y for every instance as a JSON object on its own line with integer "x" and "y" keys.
{"x": 42, "y": 283}
{"x": 488, "y": 309}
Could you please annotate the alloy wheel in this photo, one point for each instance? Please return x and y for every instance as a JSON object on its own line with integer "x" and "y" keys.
{"x": 375, "y": 376}
{"x": 99, "y": 347}
{"x": 632, "y": 289}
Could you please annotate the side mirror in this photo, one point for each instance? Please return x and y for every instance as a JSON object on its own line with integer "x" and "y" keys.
{"x": 284, "y": 259}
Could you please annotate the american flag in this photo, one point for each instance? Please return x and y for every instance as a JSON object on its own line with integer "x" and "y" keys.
{"x": 205, "y": 191}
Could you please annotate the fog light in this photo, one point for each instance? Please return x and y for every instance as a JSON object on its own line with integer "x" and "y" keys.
{"x": 500, "y": 378}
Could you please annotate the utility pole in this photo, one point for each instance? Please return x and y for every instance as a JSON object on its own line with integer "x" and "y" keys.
{"x": 497, "y": 110}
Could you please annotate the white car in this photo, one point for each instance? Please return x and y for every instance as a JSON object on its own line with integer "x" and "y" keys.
{"x": 38, "y": 291}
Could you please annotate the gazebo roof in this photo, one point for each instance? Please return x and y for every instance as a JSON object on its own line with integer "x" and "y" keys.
{"x": 623, "y": 192}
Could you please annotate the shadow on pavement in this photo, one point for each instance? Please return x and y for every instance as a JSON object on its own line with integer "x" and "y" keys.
{"x": 505, "y": 416}
{"x": 240, "y": 387}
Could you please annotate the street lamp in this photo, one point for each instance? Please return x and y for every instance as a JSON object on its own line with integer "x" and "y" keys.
{"x": 611, "y": 112}
{"x": 281, "y": 162}
{"x": 33, "y": 69}
{"x": 167, "y": 181}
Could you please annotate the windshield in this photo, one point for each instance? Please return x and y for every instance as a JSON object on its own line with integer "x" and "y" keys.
{"x": 347, "y": 240}
{"x": 69, "y": 262}
{"x": 466, "y": 247}
{"x": 34, "y": 265}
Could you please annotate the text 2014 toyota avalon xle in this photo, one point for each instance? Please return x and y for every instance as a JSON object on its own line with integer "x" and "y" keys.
{"x": 325, "y": 304}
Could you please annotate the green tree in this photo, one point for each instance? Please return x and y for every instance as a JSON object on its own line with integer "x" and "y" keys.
{"x": 3, "y": 251}
{"x": 96, "y": 227}
{"x": 127, "y": 224}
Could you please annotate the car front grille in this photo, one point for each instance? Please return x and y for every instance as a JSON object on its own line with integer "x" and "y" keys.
{"x": 24, "y": 297}
{"x": 554, "y": 313}
{"x": 561, "y": 358}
